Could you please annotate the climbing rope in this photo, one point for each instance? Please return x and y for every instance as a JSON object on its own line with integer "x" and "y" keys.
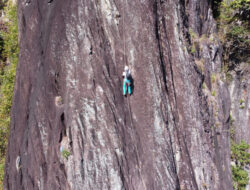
{"x": 128, "y": 102}
{"x": 124, "y": 43}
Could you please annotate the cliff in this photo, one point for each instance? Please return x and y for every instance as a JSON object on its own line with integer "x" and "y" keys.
{"x": 171, "y": 133}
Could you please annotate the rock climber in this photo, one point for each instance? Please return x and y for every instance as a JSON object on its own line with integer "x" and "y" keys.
{"x": 127, "y": 82}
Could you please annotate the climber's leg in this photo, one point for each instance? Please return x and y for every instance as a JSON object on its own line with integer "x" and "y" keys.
{"x": 124, "y": 88}
{"x": 129, "y": 88}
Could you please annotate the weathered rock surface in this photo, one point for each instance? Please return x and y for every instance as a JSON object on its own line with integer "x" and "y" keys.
{"x": 239, "y": 89}
{"x": 240, "y": 93}
{"x": 170, "y": 134}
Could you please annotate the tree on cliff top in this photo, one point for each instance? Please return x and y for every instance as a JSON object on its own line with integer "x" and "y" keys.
{"x": 234, "y": 27}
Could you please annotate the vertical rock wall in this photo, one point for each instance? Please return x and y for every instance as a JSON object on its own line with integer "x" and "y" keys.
{"x": 239, "y": 88}
{"x": 170, "y": 134}
{"x": 240, "y": 93}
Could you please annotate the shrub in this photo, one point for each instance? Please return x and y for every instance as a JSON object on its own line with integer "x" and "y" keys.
{"x": 241, "y": 157}
{"x": 213, "y": 93}
{"x": 240, "y": 178}
{"x": 65, "y": 154}
{"x": 234, "y": 31}
{"x": 232, "y": 127}
{"x": 213, "y": 78}
{"x": 193, "y": 49}
{"x": 242, "y": 7}
{"x": 240, "y": 154}
{"x": 192, "y": 34}
{"x": 242, "y": 104}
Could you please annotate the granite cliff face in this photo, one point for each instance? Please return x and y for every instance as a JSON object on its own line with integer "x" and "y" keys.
{"x": 172, "y": 133}
{"x": 240, "y": 93}
{"x": 240, "y": 108}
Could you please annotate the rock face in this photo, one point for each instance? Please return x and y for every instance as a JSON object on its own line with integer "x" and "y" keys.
{"x": 239, "y": 89}
{"x": 240, "y": 108}
{"x": 172, "y": 133}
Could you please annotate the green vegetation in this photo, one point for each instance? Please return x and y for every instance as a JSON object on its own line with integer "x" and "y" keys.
{"x": 213, "y": 93}
{"x": 65, "y": 154}
{"x": 242, "y": 104}
{"x": 193, "y": 49}
{"x": 204, "y": 86}
{"x": 232, "y": 128}
{"x": 240, "y": 178}
{"x": 234, "y": 30}
{"x": 194, "y": 41}
{"x": 216, "y": 4}
{"x": 9, "y": 58}
{"x": 229, "y": 77}
{"x": 240, "y": 156}
{"x": 213, "y": 78}
{"x": 1, "y": 173}
{"x": 242, "y": 7}
{"x": 193, "y": 34}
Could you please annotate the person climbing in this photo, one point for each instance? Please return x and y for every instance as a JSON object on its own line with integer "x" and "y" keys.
{"x": 127, "y": 83}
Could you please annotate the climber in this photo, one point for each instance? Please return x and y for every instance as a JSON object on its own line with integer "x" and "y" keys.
{"x": 127, "y": 81}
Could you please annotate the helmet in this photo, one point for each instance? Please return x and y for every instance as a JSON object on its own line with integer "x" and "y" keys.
{"x": 126, "y": 68}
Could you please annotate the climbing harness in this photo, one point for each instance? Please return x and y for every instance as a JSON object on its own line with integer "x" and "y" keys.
{"x": 127, "y": 82}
